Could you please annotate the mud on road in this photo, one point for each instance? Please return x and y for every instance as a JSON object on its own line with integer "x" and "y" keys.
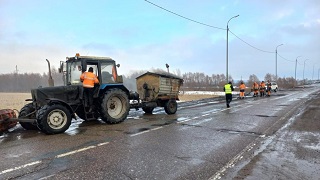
{"x": 293, "y": 152}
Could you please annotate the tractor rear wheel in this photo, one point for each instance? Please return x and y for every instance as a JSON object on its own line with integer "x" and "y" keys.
{"x": 25, "y": 113}
{"x": 170, "y": 107}
{"x": 115, "y": 106}
{"x": 53, "y": 119}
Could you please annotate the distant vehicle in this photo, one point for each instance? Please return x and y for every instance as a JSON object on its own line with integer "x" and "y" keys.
{"x": 274, "y": 86}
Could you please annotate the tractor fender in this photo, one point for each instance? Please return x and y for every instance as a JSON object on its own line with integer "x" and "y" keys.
{"x": 105, "y": 87}
{"x": 51, "y": 101}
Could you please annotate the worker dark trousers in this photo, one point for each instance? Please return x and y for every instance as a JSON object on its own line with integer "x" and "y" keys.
{"x": 228, "y": 99}
{"x": 88, "y": 96}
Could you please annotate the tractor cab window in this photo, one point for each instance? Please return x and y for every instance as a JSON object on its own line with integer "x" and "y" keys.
{"x": 74, "y": 69}
{"x": 108, "y": 73}
{"x": 94, "y": 67}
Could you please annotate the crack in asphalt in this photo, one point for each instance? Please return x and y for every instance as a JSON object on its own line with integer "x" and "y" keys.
{"x": 260, "y": 115}
{"x": 191, "y": 125}
{"x": 232, "y": 131}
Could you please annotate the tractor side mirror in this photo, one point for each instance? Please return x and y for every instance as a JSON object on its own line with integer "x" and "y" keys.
{"x": 118, "y": 65}
{"x": 60, "y": 69}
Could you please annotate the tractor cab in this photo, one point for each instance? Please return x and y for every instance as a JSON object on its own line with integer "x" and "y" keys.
{"x": 104, "y": 68}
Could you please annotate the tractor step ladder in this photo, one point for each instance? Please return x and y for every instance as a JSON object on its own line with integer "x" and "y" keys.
{"x": 90, "y": 116}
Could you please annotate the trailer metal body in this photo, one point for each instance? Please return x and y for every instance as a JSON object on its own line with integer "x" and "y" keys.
{"x": 158, "y": 90}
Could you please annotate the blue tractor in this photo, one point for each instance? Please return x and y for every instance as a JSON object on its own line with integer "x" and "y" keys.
{"x": 52, "y": 108}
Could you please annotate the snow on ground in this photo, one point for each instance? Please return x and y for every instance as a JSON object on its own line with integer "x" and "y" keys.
{"x": 218, "y": 93}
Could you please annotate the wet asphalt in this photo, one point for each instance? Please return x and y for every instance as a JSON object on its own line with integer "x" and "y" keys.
{"x": 203, "y": 140}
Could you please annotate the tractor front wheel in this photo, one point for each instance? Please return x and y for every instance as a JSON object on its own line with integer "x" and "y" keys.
{"x": 53, "y": 119}
{"x": 28, "y": 112}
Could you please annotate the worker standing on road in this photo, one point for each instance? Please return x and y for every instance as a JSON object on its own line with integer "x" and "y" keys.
{"x": 255, "y": 89}
{"x": 268, "y": 88}
{"x": 88, "y": 80}
{"x": 228, "y": 88}
{"x": 262, "y": 88}
{"x": 242, "y": 88}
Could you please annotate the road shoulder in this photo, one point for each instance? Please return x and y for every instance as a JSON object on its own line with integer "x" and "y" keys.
{"x": 291, "y": 153}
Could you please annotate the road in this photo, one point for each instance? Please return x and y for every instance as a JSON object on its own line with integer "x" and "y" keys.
{"x": 253, "y": 139}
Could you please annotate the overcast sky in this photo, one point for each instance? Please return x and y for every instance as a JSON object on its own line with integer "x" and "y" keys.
{"x": 141, "y": 36}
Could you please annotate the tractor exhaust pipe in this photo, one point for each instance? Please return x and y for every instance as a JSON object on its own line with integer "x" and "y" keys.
{"x": 50, "y": 80}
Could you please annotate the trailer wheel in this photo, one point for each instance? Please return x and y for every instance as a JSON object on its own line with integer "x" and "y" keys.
{"x": 27, "y": 109}
{"x": 148, "y": 110}
{"x": 171, "y": 107}
{"x": 115, "y": 106}
{"x": 53, "y": 119}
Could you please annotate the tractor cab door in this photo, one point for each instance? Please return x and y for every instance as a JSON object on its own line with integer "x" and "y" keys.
{"x": 95, "y": 66}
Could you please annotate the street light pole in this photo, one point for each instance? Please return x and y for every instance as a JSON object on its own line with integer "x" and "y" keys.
{"x": 277, "y": 62}
{"x": 304, "y": 65}
{"x": 295, "y": 71}
{"x": 227, "y": 48}
{"x": 313, "y": 72}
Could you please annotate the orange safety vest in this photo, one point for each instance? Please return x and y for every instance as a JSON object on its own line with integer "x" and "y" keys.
{"x": 242, "y": 86}
{"x": 89, "y": 79}
{"x": 255, "y": 86}
{"x": 262, "y": 86}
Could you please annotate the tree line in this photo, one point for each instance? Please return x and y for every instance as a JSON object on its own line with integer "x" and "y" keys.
{"x": 201, "y": 81}
{"x": 24, "y": 82}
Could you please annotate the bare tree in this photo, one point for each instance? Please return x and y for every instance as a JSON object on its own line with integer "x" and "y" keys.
{"x": 252, "y": 78}
{"x": 267, "y": 77}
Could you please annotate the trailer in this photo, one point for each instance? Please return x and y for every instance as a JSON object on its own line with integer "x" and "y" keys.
{"x": 157, "y": 90}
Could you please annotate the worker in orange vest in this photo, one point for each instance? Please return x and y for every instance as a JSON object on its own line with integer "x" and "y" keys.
{"x": 242, "y": 89}
{"x": 262, "y": 88}
{"x": 88, "y": 80}
{"x": 255, "y": 89}
{"x": 268, "y": 88}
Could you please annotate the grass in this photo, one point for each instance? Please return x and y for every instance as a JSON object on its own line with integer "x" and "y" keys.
{"x": 13, "y": 100}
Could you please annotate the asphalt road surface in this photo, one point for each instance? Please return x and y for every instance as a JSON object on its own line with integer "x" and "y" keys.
{"x": 273, "y": 137}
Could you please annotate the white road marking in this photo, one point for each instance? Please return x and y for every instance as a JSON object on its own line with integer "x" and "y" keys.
{"x": 186, "y": 120}
{"x": 146, "y": 131}
{"x": 102, "y": 144}
{"x": 58, "y": 156}
{"x": 75, "y": 151}
{"x": 20, "y": 167}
